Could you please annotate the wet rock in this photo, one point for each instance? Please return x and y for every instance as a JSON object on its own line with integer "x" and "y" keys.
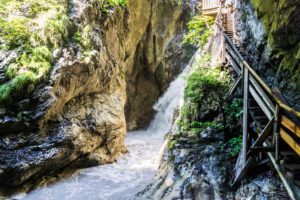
{"x": 267, "y": 34}
{"x": 202, "y": 170}
{"x": 77, "y": 118}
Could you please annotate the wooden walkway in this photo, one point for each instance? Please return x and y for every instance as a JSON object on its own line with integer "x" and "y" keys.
{"x": 271, "y": 131}
{"x": 270, "y": 126}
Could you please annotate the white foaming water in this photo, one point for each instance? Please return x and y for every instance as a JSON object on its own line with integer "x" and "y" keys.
{"x": 129, "y": 175}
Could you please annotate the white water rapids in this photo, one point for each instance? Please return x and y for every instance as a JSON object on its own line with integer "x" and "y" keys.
{"x": 129, "y": 175}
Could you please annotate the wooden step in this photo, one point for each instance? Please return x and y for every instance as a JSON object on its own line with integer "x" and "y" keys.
{"x": 291, "y": 159}
{"x": 292, "y": 167}
{"x": 290, "y": 141}
{"x": 287, "y": 153}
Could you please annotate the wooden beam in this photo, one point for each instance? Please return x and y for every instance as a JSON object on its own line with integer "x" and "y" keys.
{"x": 235, "y": 58}
{"x": 261, "y": 103}
{"x": 290, "y": 141}
{"x": 286, "y": 122}
{"x": 261, "y": 149}
{"x": 263, "y": 136}
{"x": 243, "y": 172}
{"x": 235, "y": 66}
{"x": 286, "y": 183}
{"x": 261, "y": 92}
{"x": 275, "y": 131}
{"x": 235, "y": 86}
{"x": 269, "y": 91}
{"x": 230, "y": 43}
{"x": 245, "y": 115}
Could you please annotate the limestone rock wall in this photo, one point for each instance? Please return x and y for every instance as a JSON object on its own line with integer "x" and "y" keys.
{"x": 159, "y": 55}
{"x": 267, "y": 32}
{"x": 77, "y": 117}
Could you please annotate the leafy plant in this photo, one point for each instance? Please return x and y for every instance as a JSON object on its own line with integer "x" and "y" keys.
{"x": 203, "y": 80}
{"x": 235, "y": 144}
{"x": 15, "y": 32}
{"x": 198, "y": 127}
{"x": 233, "y": 112}
{"x": 199, "y": 30}
{"x": 110, "y": 4}
{"x": 205, "y": 84}
{"x": 27, "y": 27}
{"x": 171, "y": 144}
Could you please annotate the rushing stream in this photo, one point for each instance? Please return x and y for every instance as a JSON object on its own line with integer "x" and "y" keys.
{"x": 130, "y": 174}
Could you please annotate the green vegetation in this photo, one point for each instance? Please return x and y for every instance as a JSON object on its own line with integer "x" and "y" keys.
{"x": 203, "y": 80}
{"x": 171, "y": 144}
{"x": 206, "y": 89}
{"x": 205, "y": 84}
{"x": 15, "y": 33}
{"x": 109, "y": 4}
{"x": 199, "y": 30}
{"x": 198, "y": 127}
{"x": 235, "y": 144}
{"x": 35, "y": 28}
{"x": 233, "y": 112}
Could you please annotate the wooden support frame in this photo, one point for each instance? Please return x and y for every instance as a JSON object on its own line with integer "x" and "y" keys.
{"x": 245, "y": 114}
{"x": 235, "y": 86}
{"x": 235, "y": 66}
{"x": 261, "y": 103}
{"x": 290, "y": 125}
{"x": 273, "y": 107}
{"x": 282, "y": 177}
{"x": 263, "y": 136}
{"x": 261, "y": 92}
{"x": 250, "y": 162}
{"x": 290, "y": 141}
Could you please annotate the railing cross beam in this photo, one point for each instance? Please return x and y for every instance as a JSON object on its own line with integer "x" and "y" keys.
{"x": 245, "y": 114}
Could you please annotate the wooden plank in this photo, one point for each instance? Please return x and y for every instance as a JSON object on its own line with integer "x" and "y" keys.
{"x": 261, "y": 103}
{"x": 230, "y": 43}
{"x": 292, "y": 193}
{"x": 245, "y": 115}
{"x": 234, "y": 55}
{"x": 269, "y": 91}
{"x": 290, "y": 125}
{"x": 290, "y": 141}
{"x": 235, "y": 86}
{"x": 261, "y": 149}
{"x": 261, "y": 92}
{"x": 243, "y": 172}
{"x": 235, "y": 66}
{"x": 263, "y": 136}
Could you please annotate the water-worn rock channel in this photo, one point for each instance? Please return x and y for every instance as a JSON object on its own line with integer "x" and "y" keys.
{"x": 131, "y": 173}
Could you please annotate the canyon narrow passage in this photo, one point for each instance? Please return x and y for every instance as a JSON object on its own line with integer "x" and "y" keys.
{"x": 130, "y": 174}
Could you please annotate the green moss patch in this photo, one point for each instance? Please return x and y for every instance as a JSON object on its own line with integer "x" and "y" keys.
{"x": 35, "y": 28}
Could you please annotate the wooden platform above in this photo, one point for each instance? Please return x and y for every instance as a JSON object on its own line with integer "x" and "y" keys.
{"x": 210, "y": 7}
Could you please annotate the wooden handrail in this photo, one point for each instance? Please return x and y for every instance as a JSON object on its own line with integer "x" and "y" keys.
{"x": 257, "y": 77}
{"x": 269, "y": 91}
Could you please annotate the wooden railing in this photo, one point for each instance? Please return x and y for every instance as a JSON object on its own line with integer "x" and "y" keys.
{"x": 281, "y": 118}
{"x": 210, "y": 4}
{"x": 210, "y": 7}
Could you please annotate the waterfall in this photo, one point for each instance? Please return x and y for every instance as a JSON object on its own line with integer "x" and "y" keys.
{"x": 129, "y": 175}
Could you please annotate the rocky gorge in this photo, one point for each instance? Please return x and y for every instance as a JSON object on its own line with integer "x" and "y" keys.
{"x": 77, "y": 117}
{"x": 108, "y": 65}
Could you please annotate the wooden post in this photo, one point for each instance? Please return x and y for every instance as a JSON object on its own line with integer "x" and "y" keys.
{"x": 276, "y": 134}
{"x": 245, "y": 114}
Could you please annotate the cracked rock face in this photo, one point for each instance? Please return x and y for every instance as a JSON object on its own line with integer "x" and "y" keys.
{"x": 268, "y": 36}
{"x": 198, "y": 168}
{"x": 77, "y": 117}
